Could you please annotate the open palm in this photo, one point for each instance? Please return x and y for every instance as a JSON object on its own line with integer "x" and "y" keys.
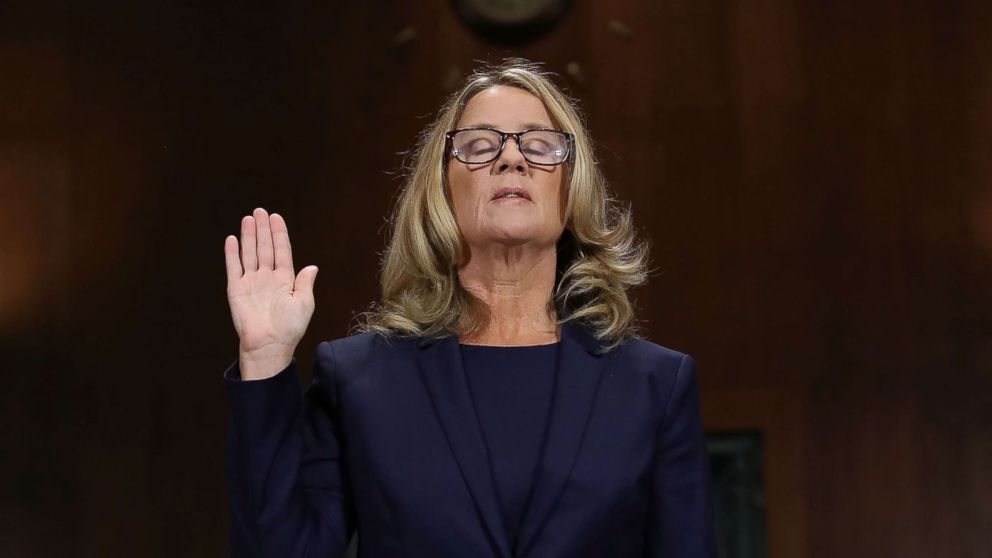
{"x": 270, "y": 305}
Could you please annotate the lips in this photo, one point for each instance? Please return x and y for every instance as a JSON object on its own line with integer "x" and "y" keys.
{"x": 511, "y": 193}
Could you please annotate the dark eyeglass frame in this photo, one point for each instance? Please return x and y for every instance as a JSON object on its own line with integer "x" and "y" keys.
{"x": 449, "y": 145}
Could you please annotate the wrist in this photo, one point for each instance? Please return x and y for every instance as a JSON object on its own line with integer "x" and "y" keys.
{"x": 264, "y": 362}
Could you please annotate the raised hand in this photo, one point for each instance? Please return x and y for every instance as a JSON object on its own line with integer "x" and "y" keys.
{"x": 270, "y": 305}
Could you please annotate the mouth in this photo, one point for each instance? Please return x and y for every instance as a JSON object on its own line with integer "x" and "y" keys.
{"x": 511, "y": 193}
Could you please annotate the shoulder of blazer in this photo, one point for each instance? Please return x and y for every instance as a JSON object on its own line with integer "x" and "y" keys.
{"x": 638, "y": 351}
{"x": 362, "y": 352}
{"x": 659, "y": 364}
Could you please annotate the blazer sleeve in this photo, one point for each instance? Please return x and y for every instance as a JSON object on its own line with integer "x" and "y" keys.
{"x": 680, "y": 517}
{"x": 287, "y": 478}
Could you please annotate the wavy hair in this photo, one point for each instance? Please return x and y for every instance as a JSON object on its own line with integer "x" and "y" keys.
{"x": 599, "y": 257}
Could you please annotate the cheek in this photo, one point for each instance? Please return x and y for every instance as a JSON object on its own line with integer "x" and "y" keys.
{"x": 556, "y": 196}
{"x": 463, "y": 197}
{"x": 456, "y": 187}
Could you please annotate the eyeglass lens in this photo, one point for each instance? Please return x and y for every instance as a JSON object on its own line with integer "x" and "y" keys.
{"x": 540, "y": 147}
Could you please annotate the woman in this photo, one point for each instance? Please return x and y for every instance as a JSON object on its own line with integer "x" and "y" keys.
{"x": 496, "y": 401}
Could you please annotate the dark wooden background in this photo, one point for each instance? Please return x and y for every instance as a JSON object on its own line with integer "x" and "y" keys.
{"x": 814, "y": 175}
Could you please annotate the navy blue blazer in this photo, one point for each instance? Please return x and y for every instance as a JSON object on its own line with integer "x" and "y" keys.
{"x": 385, "y": 440}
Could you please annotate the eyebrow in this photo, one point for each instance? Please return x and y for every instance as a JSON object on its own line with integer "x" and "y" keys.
{"x": 527, "y": 126}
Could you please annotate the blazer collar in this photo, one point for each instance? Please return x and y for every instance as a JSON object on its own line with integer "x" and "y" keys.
{"x": 579, "y": 366}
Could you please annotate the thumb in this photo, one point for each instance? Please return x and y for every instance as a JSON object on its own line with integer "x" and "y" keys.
{"x": 305, "y": 280}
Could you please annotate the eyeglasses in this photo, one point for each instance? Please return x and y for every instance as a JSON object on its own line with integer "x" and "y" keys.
{"x": 540, "y": 146}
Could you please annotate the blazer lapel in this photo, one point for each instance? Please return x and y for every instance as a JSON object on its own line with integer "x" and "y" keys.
{"x": 440, "y": 365}
{"x": 580, "y": 368}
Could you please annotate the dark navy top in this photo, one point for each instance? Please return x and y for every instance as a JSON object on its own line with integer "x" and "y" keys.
{"x": 511, "y": 388}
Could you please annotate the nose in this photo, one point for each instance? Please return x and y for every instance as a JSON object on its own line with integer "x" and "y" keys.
{"x": 511, "y": 160}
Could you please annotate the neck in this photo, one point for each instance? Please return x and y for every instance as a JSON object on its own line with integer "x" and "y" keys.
{"x": 516, "y": 283}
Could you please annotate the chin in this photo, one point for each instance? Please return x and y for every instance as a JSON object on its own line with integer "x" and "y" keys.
{"x": 513, "y": 236}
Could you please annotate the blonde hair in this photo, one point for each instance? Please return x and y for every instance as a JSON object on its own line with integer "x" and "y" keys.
{"x": 599, "y": 256}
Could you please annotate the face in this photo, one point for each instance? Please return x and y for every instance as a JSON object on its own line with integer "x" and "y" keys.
{"x": 537, "y": 216}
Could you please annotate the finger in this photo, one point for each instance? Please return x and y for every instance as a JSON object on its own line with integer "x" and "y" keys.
{"x": 305, "y": 280}
{"x": 231, "y": 261}
{"x": 280, "y": 243}
{"x": 248, "y": 257}
{"x": 264, "y": 238}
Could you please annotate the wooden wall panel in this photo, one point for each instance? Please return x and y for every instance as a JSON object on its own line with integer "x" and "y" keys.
{"x": 814, "y": 177}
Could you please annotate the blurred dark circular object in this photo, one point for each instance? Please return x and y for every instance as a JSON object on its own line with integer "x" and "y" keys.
{"x": 511, "y": 22}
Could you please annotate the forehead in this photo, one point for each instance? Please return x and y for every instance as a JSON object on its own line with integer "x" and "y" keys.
{"x": 505, "y": 107}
